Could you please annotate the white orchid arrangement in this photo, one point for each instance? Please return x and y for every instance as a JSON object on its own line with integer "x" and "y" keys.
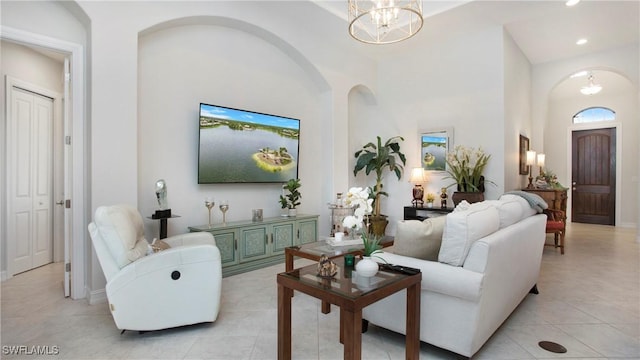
{"x": 360, "y": 199}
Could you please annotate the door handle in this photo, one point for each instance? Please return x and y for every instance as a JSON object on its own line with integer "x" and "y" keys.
{"x": 61, "y": 202}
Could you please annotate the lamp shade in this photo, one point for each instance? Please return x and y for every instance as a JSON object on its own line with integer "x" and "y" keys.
{"x": 541, "y": 160}
{"x": 417, "y": 175}
{"x": 531, "y": 157}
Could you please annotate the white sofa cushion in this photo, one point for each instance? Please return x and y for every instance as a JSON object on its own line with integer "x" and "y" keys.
{"x": 527, "y": 210}
{"x": 122, "y": 225}
{"x": 419, "y": 239}
{"x": 462, "y": 228}
{"x": 509, "y": 211}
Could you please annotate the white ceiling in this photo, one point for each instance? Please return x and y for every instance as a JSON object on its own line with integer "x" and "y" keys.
{"x": 545, "y": 31}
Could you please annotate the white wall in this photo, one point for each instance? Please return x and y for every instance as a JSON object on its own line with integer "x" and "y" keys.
{"x": 517, "y": 119}
{"x": 453, "y": 80}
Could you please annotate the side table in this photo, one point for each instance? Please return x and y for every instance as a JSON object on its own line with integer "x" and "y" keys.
{"x": 163, "y": 224}
{"x": 313, "y": 251}
{"x": 343, "y": 291}
{"x": 421, "y": 213}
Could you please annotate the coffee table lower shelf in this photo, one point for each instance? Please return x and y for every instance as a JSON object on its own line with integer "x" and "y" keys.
{"x": 313, "y": 251}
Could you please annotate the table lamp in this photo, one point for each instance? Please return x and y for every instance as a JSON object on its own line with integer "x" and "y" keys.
{"x": 541, "y": 162}
{"x": 417, "y": 177}
{"x": 531, "y": 160}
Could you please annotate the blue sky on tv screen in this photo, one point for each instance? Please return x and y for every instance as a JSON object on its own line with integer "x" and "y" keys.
{"x": 247, "y": 116}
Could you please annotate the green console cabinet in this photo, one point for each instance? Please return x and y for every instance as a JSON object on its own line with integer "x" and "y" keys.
{"x": 248, "y": 245}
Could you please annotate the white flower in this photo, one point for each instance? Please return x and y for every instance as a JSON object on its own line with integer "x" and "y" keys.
{"x": 352, "y": 222}
{"x": 359, "y": 199}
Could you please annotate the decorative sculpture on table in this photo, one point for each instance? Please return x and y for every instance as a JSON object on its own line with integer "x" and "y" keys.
{"x": 443, "y": 197}
{"x": 161, "y": 196}
{"x": 326, "y": 267}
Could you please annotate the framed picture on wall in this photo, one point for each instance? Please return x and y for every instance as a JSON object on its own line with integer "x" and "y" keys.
{"x": 434, "y": 146}
{"x": 524, "y": 147}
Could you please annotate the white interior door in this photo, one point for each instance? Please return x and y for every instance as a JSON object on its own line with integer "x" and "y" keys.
{"x": 29, "y": 186}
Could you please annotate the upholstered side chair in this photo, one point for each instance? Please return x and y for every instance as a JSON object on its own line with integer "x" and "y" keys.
{"x": 155, "y": 290}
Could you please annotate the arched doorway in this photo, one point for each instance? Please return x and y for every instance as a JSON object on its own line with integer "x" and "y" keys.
{"x": 595, "y": 148}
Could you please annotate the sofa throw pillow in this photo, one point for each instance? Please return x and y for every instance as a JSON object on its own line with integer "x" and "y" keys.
{"x": 462, "y": 228}
{"x": 419, "y": 239}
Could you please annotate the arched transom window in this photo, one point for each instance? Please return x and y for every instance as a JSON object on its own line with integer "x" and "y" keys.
{"x": 594, "y": 114}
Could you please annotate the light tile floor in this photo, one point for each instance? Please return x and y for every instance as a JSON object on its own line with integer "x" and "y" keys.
{"x": 589, "y": 302}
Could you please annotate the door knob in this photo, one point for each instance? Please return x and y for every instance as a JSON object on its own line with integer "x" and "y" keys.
{"x": 61, "y": 202}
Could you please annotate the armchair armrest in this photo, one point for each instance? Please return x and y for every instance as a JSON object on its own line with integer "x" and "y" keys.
{"x": 188, "y": 239}
{"x": 161, "y": 263}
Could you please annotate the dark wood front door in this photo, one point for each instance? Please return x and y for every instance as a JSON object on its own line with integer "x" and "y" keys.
{"x": 594, "y": 176}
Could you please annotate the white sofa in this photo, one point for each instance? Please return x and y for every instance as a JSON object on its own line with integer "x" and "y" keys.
{"x": 488, "y": 261}
{"x": 177, "y": 286}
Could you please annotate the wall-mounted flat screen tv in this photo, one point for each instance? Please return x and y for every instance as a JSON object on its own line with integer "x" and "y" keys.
{"x": 239, "y": 146}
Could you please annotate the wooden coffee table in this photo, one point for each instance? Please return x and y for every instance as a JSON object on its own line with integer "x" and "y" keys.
{"x": 351, "y": 296}
{"x": 314, "y": 250}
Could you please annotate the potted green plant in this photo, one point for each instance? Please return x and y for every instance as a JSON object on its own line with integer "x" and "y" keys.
{"x": 431, "y": 197}
{"x": 465, "y": 168}
{"x": 378, "y": 157}
{"x": 291, "y": 199}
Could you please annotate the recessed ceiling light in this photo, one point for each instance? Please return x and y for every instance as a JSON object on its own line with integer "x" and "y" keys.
{"x": 581, "y": 42}
{"x": 571, "y": 2}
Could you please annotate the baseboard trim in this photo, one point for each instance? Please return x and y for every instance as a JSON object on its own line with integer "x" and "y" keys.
{"x": 96, "y": 296}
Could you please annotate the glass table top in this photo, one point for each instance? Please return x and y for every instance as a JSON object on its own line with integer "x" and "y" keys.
{"x": 324, "y": 247}
{"x": 346, "y": 282}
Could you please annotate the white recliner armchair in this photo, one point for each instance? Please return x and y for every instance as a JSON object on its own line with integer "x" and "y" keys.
{"x": 174, "y": 287}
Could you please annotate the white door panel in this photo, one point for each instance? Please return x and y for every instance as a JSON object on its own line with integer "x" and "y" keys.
{"x": 30, "y": 180}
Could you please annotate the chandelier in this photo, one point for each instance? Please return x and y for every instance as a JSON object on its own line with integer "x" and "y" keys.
{"x": 592, "y": 88}
{"x": 384, "y": 21}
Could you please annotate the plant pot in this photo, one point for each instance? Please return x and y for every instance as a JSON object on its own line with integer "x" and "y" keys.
{"x": 293, "y": 212}
{"x": 471, "y": 197}
{"x": 430, "y": 204}
{"x": 366, "y": 267}
{"x": 377, "y": 224}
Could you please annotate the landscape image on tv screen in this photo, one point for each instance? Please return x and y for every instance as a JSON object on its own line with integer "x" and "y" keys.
{"x": 239, "y": 146}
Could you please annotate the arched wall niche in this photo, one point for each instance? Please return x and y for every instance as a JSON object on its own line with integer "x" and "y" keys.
{"x": 227, "y": 62}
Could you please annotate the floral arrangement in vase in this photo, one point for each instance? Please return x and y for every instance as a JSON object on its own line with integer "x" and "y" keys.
{"x": 465, "y": 168}
{"x": 360, "y": 199}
